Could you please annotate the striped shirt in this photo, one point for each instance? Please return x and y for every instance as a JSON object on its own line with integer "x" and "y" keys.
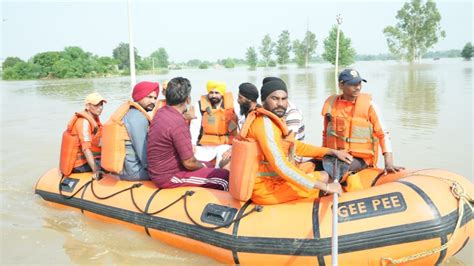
{"x": 294, "y": 120}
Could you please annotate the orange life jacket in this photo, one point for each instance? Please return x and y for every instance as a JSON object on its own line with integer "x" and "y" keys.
{"x": 114, "y": 137}
{"x": 219, "y": 126}
{"x": 351, "y": 133}
{"x": 71, "y": 154}
{"x": 159, "y": 103}
{"x": 248, "y": 161}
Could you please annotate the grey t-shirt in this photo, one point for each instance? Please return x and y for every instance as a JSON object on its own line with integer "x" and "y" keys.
{"x": 135, "y": 164}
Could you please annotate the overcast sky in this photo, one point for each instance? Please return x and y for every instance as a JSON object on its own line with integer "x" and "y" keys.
{"x": 207, "y": 29}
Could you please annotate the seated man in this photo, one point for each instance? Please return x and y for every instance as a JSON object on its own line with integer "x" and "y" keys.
{"x": 246, "y": 101}
{"x": 125, "y": 134}
{"x": 84, "y": 128}
{"x": 293, "y": 116}
{"x": 215, "y": 124}
{"x": 171, "y": 162}
{"x": 352, "y": 122}
{"x": 279, "y": 179}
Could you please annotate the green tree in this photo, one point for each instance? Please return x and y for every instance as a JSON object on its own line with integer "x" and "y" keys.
{"x": 121, "y": 54}
{"x": 204, "y": 65}
{"x": 283, "y": 48}
{"x": 467, "y": 51}
{"x": 22, "y": 70}
{"x": 75, "y": 53}
{"x": 229, "y": 63}
{"x": 418, "y": 29}
{"x": 194, "y": 63}
{"x": 74, "y": 63}
{"x": 46, "y": 60}
{"x": 305, "y": 49}
{"x": 10, "y": 62}
{"x": 161, "y": 58}
{"x": 106, "y": 65}
{"x": 346, "y": 52}
{"x": 267, "y": 49}
{"x": 251, "y": 57}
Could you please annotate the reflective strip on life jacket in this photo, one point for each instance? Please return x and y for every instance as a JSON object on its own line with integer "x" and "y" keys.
{"x": 355, "y": 133}
{"x": 280, "y": 161}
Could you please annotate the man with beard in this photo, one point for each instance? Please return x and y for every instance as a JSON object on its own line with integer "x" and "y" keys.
{"x": 216, "y": 123}
{"x": 278, "y": 178}
{"x": 171, "y": 159}
{"x": 293, "y": 116}
{"x": 246, "y": 101}
{"x": 125, "y": 134}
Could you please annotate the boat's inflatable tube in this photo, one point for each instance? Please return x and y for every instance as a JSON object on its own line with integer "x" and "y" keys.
{"x": 426, "y": 213}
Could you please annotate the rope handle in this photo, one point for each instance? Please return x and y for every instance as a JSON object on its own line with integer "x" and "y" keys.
{"x": 461, "y": 195}
{"x": 136, "y": 185}
{"x": 186, "y": 194}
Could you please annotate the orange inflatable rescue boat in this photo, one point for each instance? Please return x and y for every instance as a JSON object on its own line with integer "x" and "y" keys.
{"x": 421, "y": 217}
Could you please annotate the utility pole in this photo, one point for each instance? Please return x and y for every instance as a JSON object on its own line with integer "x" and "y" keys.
{"x": 336, "y": 70}
{"x": 131, "y": 47}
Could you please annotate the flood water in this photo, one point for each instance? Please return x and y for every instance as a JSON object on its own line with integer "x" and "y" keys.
{"x": 428, "y": 107}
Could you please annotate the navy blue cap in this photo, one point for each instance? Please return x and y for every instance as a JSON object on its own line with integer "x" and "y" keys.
{"x": 350, "y": 77}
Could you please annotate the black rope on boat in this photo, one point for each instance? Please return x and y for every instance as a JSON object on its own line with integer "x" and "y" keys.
{"x": 75, "y": 193}
{"x": 376, "y": 179}
{"x": 136, "y": 185}
{"x": 256, "y": 208}
{"x": 188, "y": 193}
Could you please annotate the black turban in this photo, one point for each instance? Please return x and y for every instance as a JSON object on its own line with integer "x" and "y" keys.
{"x": 271, "y": 86}
{"x": 249, "y": 91}
{"x": 267, "y": 79}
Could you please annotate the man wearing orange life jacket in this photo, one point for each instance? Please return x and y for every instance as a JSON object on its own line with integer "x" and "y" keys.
{"x": 125, "y": 134}
{"x": 215, "y": 124}
{"x": 80, "y": 147}
{"x": 279, "y": 179}
{"x": 352, "y": 122}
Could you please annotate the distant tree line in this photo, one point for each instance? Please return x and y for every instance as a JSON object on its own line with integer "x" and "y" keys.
{"x": 73, "y": 62}
{"x": 416, "y": 31}
{"x": 273, "y": 53}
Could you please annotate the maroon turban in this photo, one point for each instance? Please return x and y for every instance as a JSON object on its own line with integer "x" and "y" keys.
{"x": 142, "y": 89}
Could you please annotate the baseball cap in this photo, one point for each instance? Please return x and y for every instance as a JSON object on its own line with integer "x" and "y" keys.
{"x": 350, "y": 77}
{"x": 94, "y": 98}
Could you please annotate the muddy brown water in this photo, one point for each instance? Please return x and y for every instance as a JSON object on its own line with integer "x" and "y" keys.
{"x": 428, "y": 107}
